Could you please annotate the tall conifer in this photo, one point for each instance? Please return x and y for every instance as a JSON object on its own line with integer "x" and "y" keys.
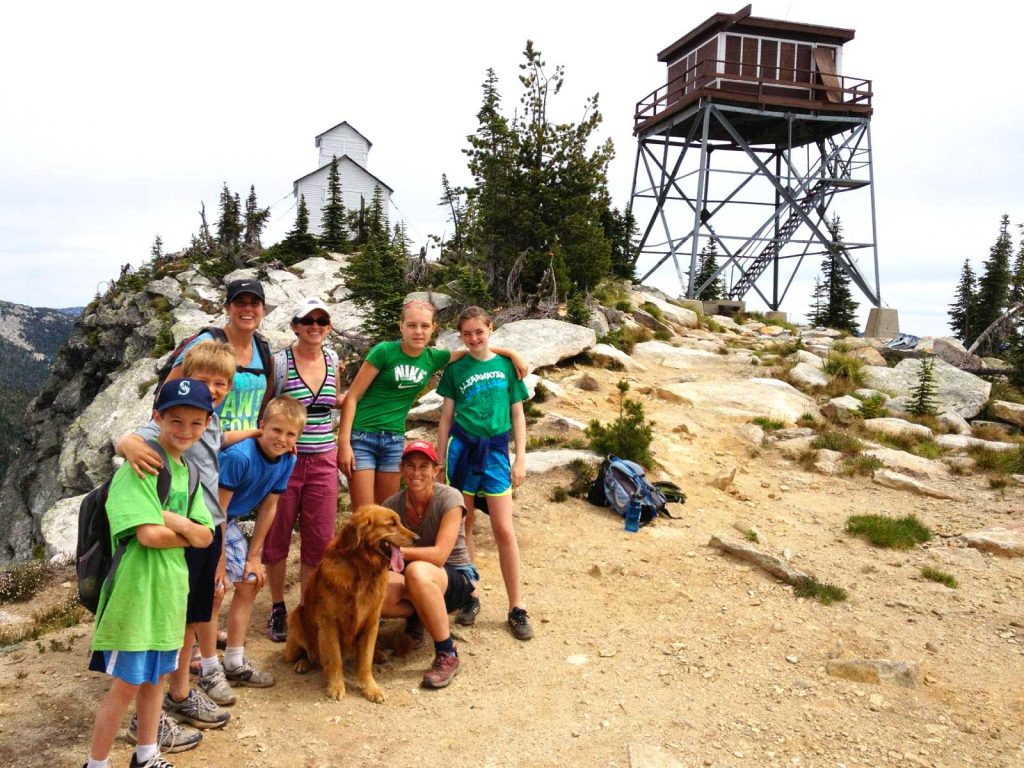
{"x": 963, "y": 310}
{"x": 334, "y": 236}
{"x": 994, "y": 289}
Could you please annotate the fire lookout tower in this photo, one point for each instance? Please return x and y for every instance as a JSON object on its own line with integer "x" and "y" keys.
{"x": 752, "y": 137}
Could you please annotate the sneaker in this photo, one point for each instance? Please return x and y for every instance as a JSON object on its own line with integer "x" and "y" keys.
{"x": 467, "y": 613}
{"x": 197, "y": 709}
{"x": 441, "y": 672}
{"x": 519, "y": 623}
{"x": 215, "y": 685}
{"x": 156, "y": 761}
{"x": 170, "y": 736}
{"x": 277, "y": 625}
{"x": 247, "y": 675}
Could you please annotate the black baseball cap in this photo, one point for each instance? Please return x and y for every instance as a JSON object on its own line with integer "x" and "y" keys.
{"x": 237, "y": 287}
{"x": 191, "y": 392}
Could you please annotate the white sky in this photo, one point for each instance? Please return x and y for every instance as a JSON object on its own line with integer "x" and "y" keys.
{"x": 117, "y": 119}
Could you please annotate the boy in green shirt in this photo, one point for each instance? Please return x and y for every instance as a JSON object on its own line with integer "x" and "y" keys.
{"x": 141, "y": 619}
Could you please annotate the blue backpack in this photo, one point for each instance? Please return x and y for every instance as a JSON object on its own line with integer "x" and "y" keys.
{"x": 620, "y": 480}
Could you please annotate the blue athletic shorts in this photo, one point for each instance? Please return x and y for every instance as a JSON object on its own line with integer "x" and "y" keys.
{"x": 495, "y": 480}
{"x": 379, "y": 451}
{"x": 135, "y": 667}
{"x": 236, "y": 549}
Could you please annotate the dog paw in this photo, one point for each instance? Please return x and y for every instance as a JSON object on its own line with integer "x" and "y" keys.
{"x": 373, "y": 693}
{"x": 302, "y": 666}
{"x": 336, "y": 692}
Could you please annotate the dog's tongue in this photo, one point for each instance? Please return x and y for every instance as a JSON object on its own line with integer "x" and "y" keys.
{"x": 397, "y": 561}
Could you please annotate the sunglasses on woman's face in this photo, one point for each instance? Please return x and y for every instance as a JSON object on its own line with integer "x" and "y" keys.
{"x": 310, "y": 320}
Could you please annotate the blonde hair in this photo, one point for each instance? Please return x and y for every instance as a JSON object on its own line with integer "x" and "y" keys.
{"x": 287, "y": 408}
{"x": 420, "y": 304}
{"x": 469, "y": 313}
{"x": 212, "y": 357}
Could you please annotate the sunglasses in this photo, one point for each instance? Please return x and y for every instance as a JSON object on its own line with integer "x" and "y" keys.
{"x": 310, "y": 320}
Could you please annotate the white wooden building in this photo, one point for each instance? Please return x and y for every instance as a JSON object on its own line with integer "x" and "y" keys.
{"x": 357, "y": 183}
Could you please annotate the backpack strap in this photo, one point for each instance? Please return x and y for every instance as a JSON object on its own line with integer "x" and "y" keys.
{"x": 263, "y": 347}
{"x": 163, "y": 478}
{"x": 280, "y": 371}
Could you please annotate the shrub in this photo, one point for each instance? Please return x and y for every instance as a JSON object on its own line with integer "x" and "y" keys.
{"x": 625, "y": 338}
{"x": 624, "y": 305}
{"x": 577, "y": 311}
{"x": 861, "y": 465}
{"x": 1003, "y": 390}
{"x": 583, "y": 476}
{"x": 891, "y": 532}
{"x": 845, "y": 367}
{"x": 823, "y": 592}
{"x": 992, "y": 432}
{"x": 873, "y": 407}
{"x": 767, "y": 424}
{"x": 20, "y": 582}
{"x": 835, "y": 440}
{"x": 807, "y": 420}
{"x": 629, "y": 436}
{"x": 751, "y": 536}
{"x": 559, "y": 494}
{"x": 540, "y": 393}
{"x": 934, "y": 574}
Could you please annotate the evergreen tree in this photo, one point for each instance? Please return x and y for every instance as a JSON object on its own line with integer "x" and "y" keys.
{"x": 620, "y": 229}
{"x": 298, "y": 244}
{"x": 157, "y": 251}
{"x": 453, "y": 198}
{"x": 229, "y": 224}
{"x": 707, "y": 266}
{"x": 334, "y": 236}
{"x": 963, "y": 311}
{"x": 922, "y": 397}
{"x": 819, "y": 304}
{"x": 376, "y": 275}
{"x": 357, "y": 223}
{"x": 994, "y": 290}
{"x": 840, "y": 308}
{"x": 256, "y": 219}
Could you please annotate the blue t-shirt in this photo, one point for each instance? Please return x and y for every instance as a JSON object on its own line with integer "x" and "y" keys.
{"x": 241, "y": 406}
{"x": 252, "y": 476}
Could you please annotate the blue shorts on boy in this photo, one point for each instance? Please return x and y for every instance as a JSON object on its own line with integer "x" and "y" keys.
{"x": 144, "y": 609}
{"x": 251, "y": 475}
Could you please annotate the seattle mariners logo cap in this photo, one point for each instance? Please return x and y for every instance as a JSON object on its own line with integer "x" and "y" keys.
{"x": 191, "y": 392}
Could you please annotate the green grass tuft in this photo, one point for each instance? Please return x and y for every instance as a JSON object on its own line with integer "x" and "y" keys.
{"x": 934, "y": 574}
{"x": 767, "y": 424}
{"x": 751, "y": 536}
{"x": 823, "y": 592}
{"x": 835, "y": 440}
{"x": 861, "y": 465}
{"x": 891, "y": 532}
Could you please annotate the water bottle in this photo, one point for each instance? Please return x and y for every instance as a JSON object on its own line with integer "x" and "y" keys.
{"x": 633, "y": 515}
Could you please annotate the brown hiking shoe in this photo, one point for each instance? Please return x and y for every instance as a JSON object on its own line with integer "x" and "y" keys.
{"x": 441, "y": 672}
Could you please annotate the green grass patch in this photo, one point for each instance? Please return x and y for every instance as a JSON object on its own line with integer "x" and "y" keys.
{"x": 751, "y": 536}
{"x": 822, "y": 591}
{"x": 861, "y": 465}
{"x": 845, "y": 367}
{"x": 768, "y": 424}
{"x": 934, "y": 574}
{"x": 889, "y": 532}
{"x": 625, "y": 337}
{"x": 1004, "y": 390}
{"x": 834, "y": 440}
{"x": 807, "y": 420}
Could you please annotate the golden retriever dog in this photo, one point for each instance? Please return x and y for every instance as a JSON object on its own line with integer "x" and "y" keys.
{"x": 341, "y": 609}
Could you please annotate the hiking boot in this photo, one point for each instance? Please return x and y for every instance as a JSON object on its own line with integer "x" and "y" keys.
{"x": 154, "y": 762}
{"x": 197, "y": 709}
{"x": 247, "y": 675}
{"x": 215, "y": 685}
{"x": 441, "y": 672}
{"x": 170, "y": 737}
{"x": 277, "y": 625}
{"x": 519, "y": 623}
{"x": 467, "y": 613}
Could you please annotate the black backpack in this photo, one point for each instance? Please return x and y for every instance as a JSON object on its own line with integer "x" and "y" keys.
{"x": 95, "y": 563}
{"x": 218, "y": 334}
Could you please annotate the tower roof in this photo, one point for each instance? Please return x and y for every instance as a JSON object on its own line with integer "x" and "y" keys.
{"x": 742, "y": 21}
{"x": 343, "y": 122}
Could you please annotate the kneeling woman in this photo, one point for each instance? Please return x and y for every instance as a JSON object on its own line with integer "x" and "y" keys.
{"x": 438, "y": 578}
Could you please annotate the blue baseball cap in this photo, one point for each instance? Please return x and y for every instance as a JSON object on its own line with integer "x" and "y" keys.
{"x": 191, "y": 392}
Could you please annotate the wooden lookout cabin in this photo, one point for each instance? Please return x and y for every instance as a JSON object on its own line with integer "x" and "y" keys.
{"x": 754, "y": 112}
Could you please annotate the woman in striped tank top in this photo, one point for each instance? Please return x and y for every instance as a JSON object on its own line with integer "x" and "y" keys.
{"x": 309, "y": 373}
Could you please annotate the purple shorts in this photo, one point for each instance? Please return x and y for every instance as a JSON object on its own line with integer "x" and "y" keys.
{"x": 311, "y": 500}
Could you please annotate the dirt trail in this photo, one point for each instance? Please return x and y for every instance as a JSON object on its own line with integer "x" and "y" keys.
{"x": 651, "y": 648}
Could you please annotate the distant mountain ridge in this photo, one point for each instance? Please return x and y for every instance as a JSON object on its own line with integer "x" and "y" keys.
{"x": 30, "y": 338}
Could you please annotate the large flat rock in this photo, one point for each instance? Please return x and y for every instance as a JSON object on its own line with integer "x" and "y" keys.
{"x": 746, "y": 398}
{"x": 955, "y": 390}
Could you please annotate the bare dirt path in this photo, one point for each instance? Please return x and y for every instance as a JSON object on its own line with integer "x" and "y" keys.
{"x": 651, "y": 649}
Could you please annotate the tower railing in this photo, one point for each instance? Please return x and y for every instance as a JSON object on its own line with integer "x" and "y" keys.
{"x": 766, "y": 84}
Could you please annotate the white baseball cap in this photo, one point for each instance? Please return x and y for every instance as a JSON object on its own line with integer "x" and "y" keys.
{"x": 309, "y": 305}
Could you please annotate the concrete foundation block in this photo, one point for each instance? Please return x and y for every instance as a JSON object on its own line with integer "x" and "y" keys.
{"x": 883, "y": 323}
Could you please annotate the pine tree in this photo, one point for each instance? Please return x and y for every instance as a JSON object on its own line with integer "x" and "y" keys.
{"x": 707, "y": 266}
{"x": 840, "y": 308}
{"x": 229, "y": 224}
{"x": 376, "y": 275}
{"x": 334, "y": 236}
{"x": 256, "y": 219}
{"x": 994, "y": 290}
{"x": 620, "y": 229}
{"x": 298, "y": 244}
{"x": 922, "y": 397}
{"x": 819, "y": 304}
{"x": 157, "y": 251}
{"x": 962, "y": 312}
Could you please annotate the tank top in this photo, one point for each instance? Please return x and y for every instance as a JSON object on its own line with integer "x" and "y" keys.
{"x": 317, "y": 437}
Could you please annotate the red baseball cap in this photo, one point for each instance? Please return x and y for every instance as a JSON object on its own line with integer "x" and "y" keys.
{"x": 420, "y": 446}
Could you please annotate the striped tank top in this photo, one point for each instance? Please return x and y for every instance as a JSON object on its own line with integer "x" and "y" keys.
{"x": 317, "y": 436}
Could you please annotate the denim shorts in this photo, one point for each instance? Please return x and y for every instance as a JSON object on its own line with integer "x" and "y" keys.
{"x": 380, "y": 451}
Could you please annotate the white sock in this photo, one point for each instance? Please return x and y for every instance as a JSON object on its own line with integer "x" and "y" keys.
{"x": 145, "y": 752}
{"x": 233, "y": 657}
{"x": 94, "y": 763}
{"x": 210, "y": 665}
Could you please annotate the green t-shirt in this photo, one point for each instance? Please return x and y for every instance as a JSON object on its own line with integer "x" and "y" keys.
{"x": 400, "y": 378}
{"x": 145, "y": 610}
{"x": 483, "y": 392}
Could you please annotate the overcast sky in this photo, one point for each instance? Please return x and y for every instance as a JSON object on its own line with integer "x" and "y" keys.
{"x": 118, "y": 119}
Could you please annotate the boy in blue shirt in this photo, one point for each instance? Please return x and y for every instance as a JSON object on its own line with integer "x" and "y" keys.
{"x": 141, "y": 618}
{"x": 253, "y": 475}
